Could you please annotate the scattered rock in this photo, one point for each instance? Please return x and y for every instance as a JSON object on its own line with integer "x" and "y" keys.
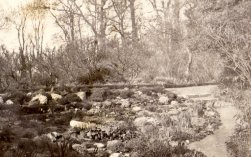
{"x": 107, "y": 103}
{"x": 1, "y": 100}
{"x": 91, "y": 150}
{"x": 41, "y": 98}
{"x": 210, "y": 113}
{"x": 136, "y": 109}
{"x": 125, "y": 103}
{"x": 99, "y": 145}
{"x": 163, "y": 100}
{"x": 9, "y": 102}
{"x": 56, "y": 96}
{"x": 81, "y": 125}
{"x": 97, "y": 104}
{"x": 126, "y": 155}
{"x": 81, "y": 95}
{"x": 174, "y": 103}
{"x": 116, "y": 155}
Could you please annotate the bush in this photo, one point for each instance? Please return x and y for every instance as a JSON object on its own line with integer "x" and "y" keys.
{"x": 94, "y": 76}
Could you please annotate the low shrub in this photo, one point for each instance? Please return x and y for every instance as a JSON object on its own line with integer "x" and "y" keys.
{"x": 94, "y": 76}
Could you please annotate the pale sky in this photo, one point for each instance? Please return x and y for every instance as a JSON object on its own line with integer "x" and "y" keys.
{"x": 9, "y": 37}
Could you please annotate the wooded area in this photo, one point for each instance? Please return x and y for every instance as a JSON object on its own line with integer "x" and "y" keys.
{"x": 107, "y": 40}
{"x": 126, "y": 78}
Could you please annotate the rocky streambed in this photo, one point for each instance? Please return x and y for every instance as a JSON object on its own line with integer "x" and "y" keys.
{"x": 145, "y": 121}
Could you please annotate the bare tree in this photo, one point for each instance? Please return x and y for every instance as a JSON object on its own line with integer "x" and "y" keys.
{"x": 133, "y": 20}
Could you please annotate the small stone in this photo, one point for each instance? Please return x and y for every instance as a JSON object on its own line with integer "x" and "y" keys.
{"x": 89, "y": 134}
{"x": 99, "y": 145}
{"x": 163, "y": 100}
{"x": 126, "y": 155}
{"x": 56, "y": 96}
{"x": 9, "y": 102}
{"x": 41, "y": 98}
{"x": 174, "y": 103}
{"x": 114, "y": 145}
{"x": 107, "y": 103}
{"x": 91, "y": 150}
{"x": 81, "y": 95}
{"x": 136, "y": 109}
{"x": 82, "y": 125}
{"x": 125, "y": 103}
{"x": 116, "y": 155}
{"x": 139, "y": 93}
{"x": 97, "y": 104}
{"x": 1, "y": 100}
{"x": 17, "y": 123}
{"x": 75, "y": 146}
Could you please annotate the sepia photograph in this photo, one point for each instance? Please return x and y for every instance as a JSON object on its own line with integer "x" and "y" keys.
{"x": 125, "y": 78}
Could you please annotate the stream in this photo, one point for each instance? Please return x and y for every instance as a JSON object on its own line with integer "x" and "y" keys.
{"x": 213, "y": 145}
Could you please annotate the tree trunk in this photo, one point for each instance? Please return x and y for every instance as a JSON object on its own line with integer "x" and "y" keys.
{"x": 102, "y": 27}
{"x": 133, "y": 21}
{"x": 189, "y": 63}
